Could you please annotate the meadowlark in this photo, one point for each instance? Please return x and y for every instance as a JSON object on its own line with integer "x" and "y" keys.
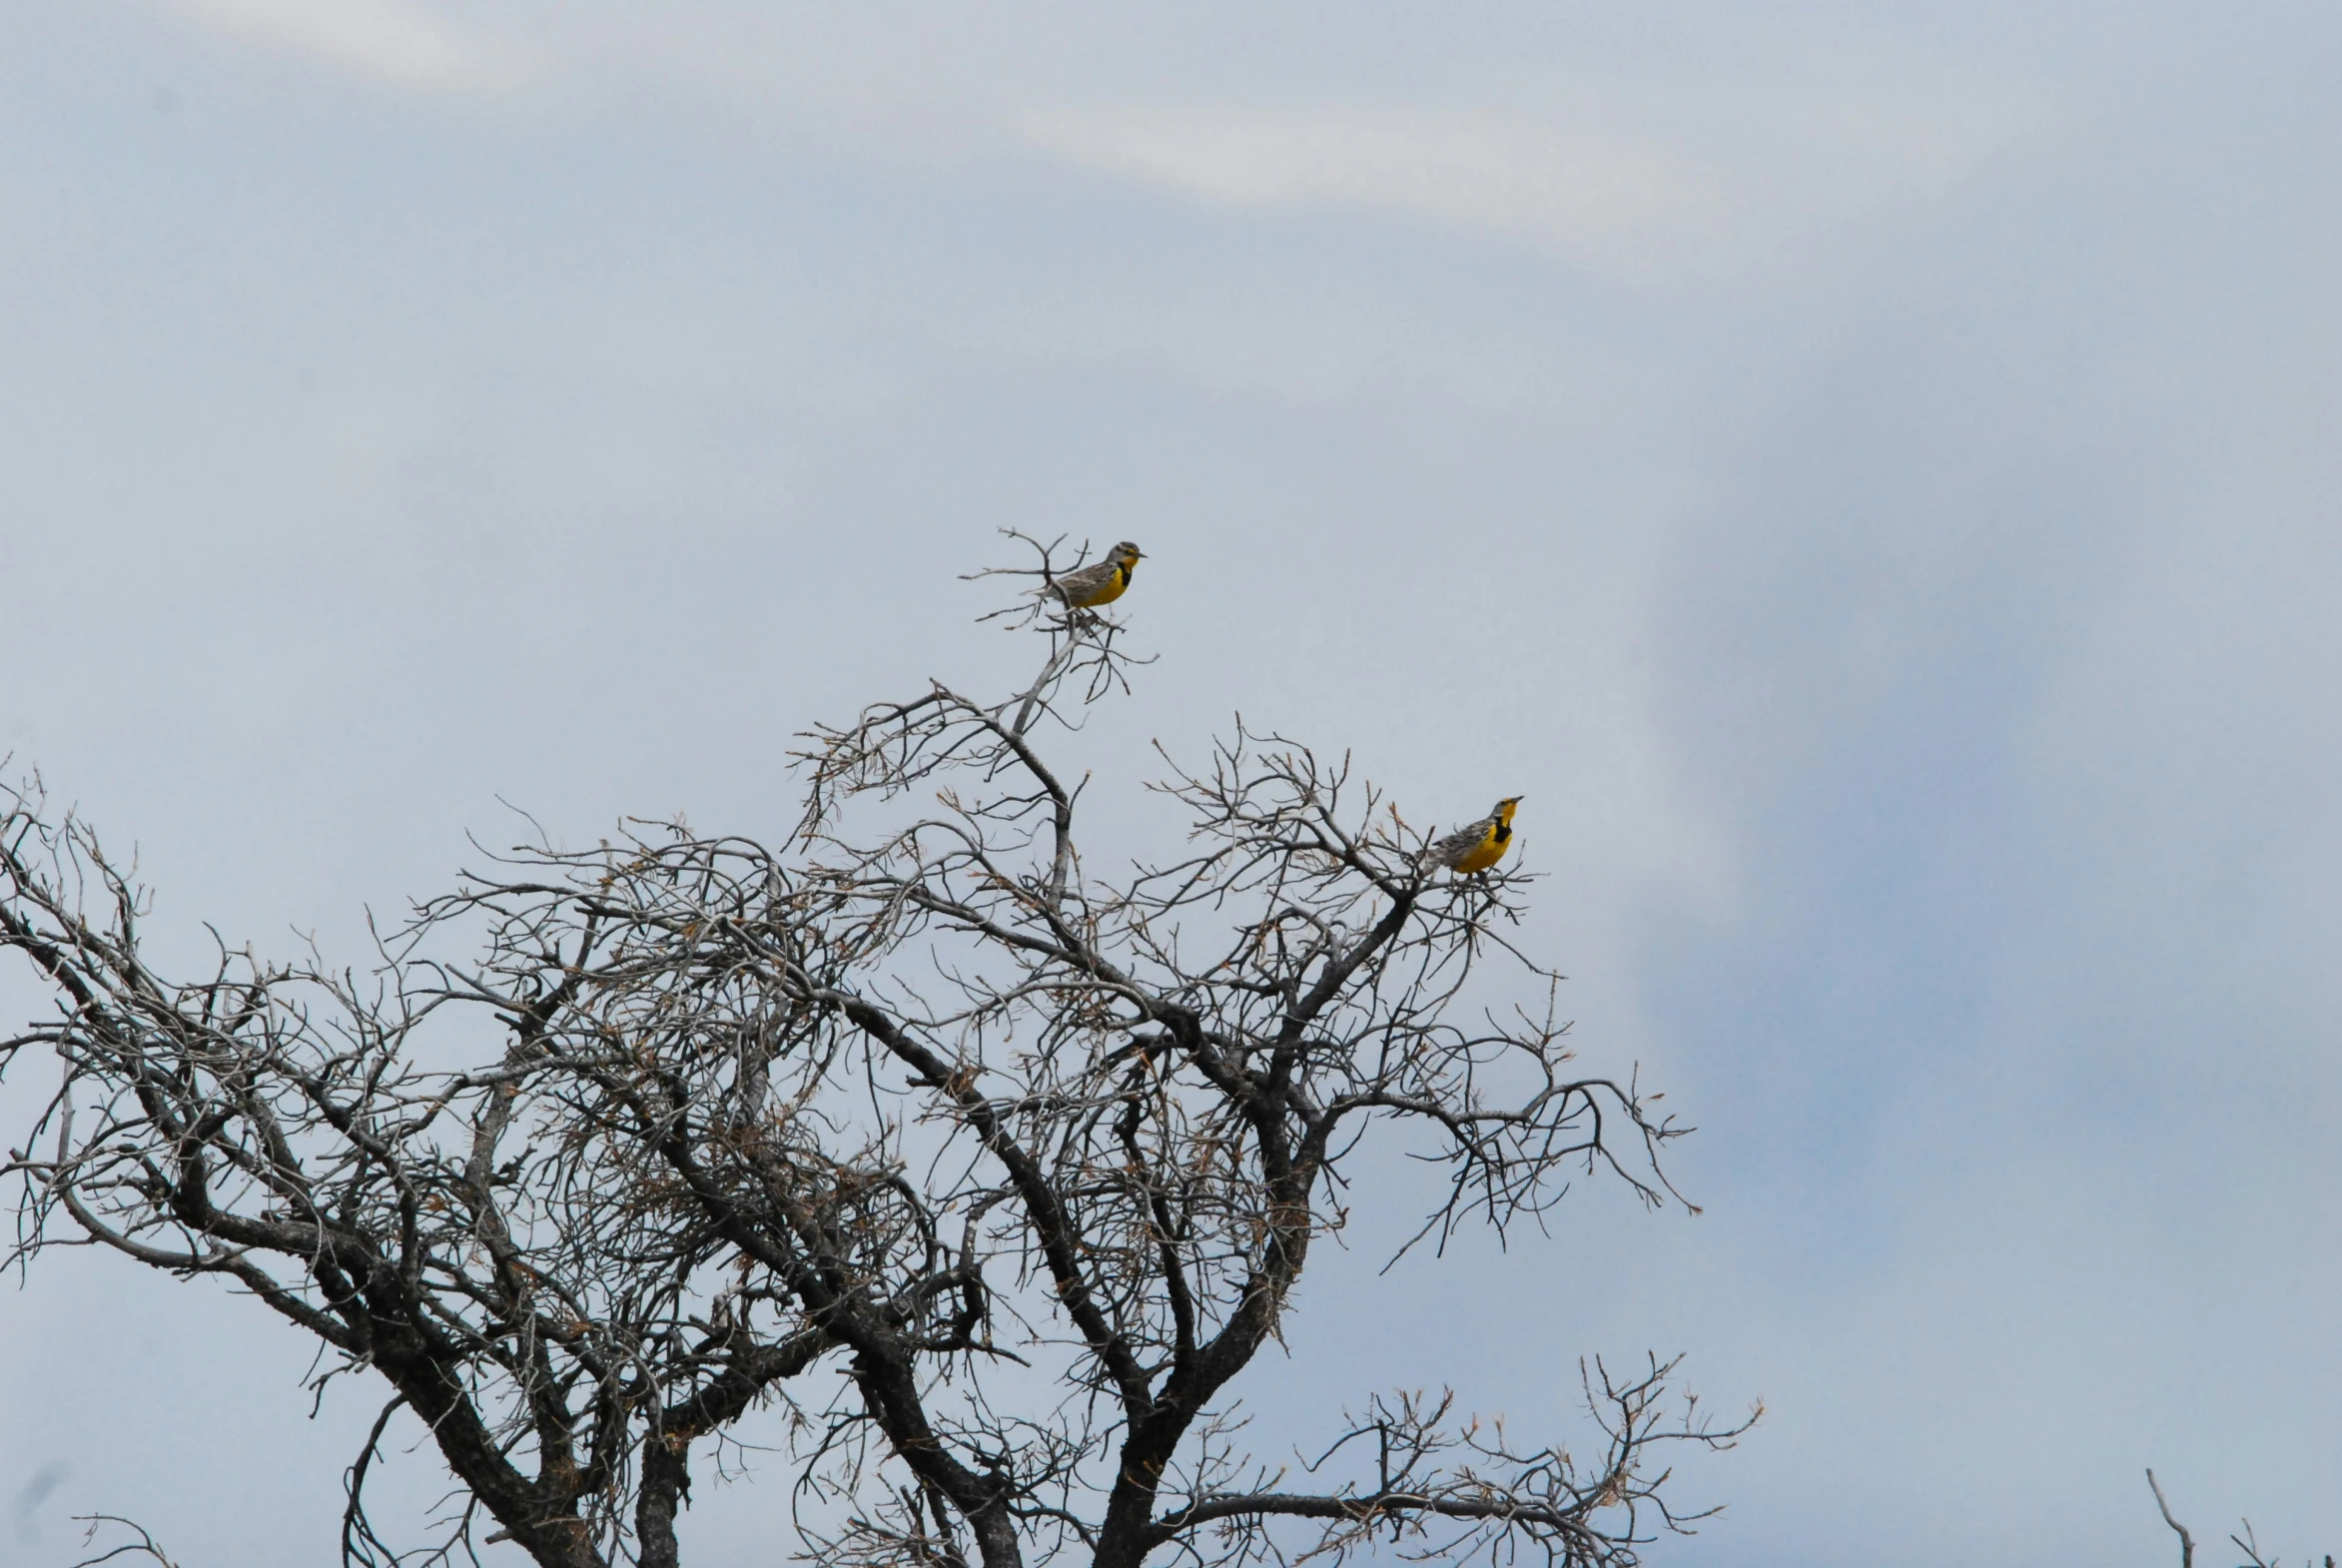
{"x": 1480, "y": 846}
{"x": 1100, "y": 583}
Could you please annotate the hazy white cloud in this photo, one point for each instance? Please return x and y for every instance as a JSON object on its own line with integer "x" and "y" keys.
{"x": 1610, "y": 200}
{"x": 1725, "y": 181}
{"x": 389, "y": 42}
{"x": 1636, "y": 167}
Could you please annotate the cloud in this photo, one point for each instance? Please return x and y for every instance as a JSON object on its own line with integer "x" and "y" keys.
{"x": 1699, "y": 177}
{"x": 1609, "y": 200}
{"x": 1636, "y": 169}
{"x": 386, "y": 42}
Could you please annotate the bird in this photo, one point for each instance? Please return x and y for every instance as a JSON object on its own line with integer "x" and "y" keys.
{"x": 1100, "y": 583}
{"x": 1478, "y": 846}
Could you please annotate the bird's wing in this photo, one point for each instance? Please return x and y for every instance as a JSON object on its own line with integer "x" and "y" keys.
{"x": 1447, "y": 851}
{"x": 1083, "y": 580}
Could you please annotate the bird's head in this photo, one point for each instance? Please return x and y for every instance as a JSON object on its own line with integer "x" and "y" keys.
{"x": 1505, "y": 808}
{"x": 1124, "y": 554}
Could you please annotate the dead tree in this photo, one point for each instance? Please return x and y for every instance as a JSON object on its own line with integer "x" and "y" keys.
{"x": 1031, "y": 1152}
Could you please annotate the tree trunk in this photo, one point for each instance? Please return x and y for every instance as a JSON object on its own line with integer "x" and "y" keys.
{"x": 666, "y": 1483}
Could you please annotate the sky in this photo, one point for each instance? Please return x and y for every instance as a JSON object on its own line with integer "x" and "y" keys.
{"x": 1865, "y": 475}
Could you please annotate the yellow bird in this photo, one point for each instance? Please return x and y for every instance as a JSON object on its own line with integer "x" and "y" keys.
{"x": 1100, "y": 583}
{"x": 1480, "y": 846}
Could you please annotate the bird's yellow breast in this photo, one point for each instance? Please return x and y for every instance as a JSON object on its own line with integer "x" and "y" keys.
{"x": 1109, "y": 590}
{"x": 1489, "y": 850}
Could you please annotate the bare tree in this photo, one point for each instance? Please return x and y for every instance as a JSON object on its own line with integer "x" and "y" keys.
{"x": 1033, "y": 1155}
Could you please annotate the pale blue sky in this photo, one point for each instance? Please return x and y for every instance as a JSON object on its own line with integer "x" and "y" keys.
{"x": 1867, "y": 473}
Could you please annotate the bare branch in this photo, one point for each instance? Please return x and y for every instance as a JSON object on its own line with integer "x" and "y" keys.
{"x": 2186, "y": 1541}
